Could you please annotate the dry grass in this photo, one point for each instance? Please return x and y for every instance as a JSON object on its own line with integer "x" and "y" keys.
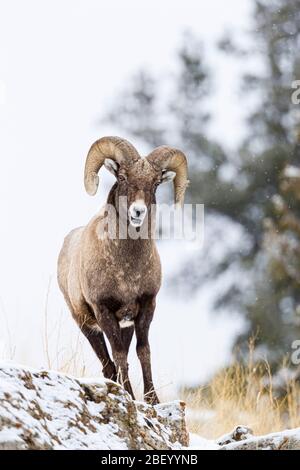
{"x": 242, "y": 394}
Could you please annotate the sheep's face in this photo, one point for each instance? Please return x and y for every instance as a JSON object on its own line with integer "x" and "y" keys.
{"x": 136, "y": 188}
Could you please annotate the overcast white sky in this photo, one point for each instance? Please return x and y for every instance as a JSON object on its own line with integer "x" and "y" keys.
{"x": 61, "y": 62}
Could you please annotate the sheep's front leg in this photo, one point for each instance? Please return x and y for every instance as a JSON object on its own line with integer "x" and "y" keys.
{"x": 110, "y": 326}
{"x": 142, "y": 325}
{"x": 97, "y": 341}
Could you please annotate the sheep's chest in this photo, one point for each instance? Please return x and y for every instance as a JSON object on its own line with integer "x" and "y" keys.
{"x": 124, "y": 276}
{"x": 132, "y": 280}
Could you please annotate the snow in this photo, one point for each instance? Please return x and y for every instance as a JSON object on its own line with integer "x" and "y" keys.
{"x": 292, "y": 172}
{"x": 200, "y": 443}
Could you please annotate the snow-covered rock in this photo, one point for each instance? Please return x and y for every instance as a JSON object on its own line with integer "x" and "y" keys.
{"x": 200, "y": 443}
{"x": 239, "y": 433}
{"x": 242, "y": 438}
{"x": 41, "y": 409}
{"x": 284, "y": 440}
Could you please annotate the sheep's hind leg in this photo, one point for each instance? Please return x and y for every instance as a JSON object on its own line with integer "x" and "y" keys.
{"x": 97, "y": 341}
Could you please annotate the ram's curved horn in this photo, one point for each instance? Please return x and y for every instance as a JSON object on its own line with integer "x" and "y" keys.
{"x": 114, "y": 148}
{"x": 169, "y": 158}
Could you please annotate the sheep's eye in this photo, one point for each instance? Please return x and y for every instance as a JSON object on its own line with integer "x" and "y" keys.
{"x": 157, "y": 183}
{"x": 121, "y": 178}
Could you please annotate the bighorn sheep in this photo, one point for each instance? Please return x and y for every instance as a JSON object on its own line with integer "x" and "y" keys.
{"x": 110, "y": 284}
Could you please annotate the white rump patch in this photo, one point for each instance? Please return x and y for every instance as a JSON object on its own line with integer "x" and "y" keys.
{"x": 125, "y": 323}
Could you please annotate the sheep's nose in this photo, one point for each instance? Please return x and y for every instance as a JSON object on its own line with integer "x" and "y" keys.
{"x": 139, "y": 211}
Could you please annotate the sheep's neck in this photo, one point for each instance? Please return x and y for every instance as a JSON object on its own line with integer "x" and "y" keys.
{"x": 138, "y": 245}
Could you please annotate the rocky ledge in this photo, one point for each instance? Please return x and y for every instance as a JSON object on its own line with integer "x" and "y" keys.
{"x": 41, "y": 409}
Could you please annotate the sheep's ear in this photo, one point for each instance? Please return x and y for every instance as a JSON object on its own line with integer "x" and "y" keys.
{"x": 112, "y": 166}
{"x": 168, "y": 176}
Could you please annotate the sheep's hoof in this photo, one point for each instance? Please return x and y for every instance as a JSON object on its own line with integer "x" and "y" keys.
{"x": 151, "y": 398}
{"x": 109, "y": 372}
